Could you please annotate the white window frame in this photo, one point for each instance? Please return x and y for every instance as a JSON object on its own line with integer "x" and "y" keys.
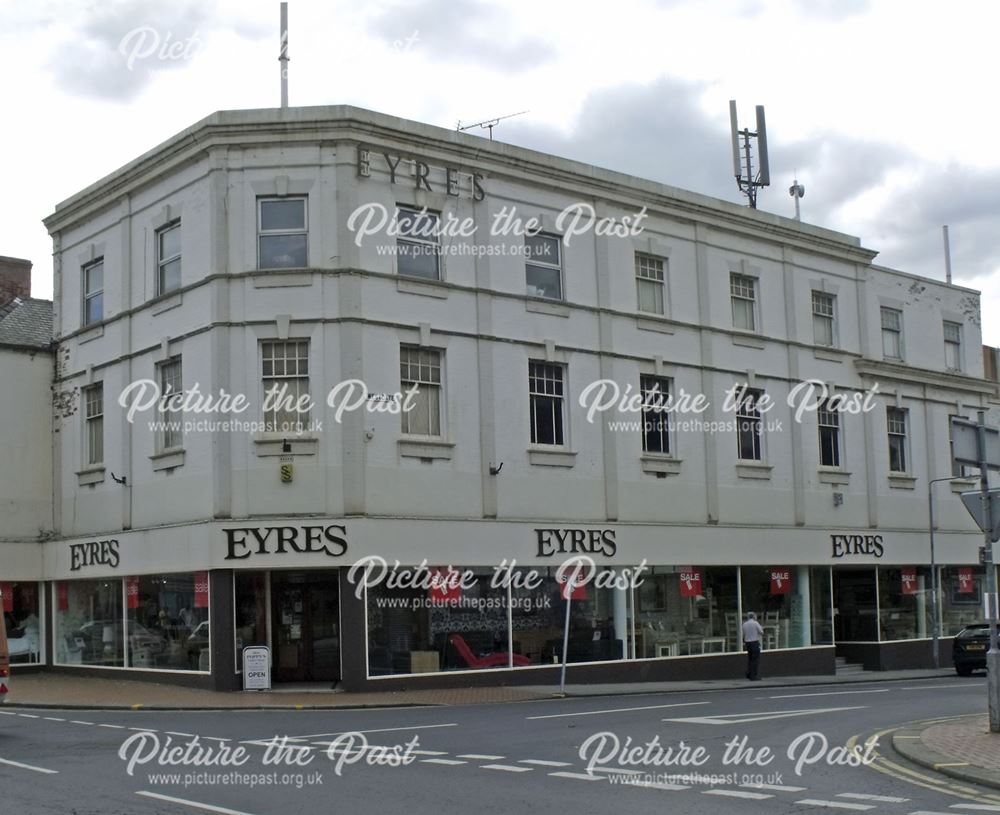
{"x": 827, "y": 313}
{"x": 273, "y": 379}
{"x": 428, "y": 375}
{"x": 90, "y": 295}
{"x": 891, "y": 327}
{"x": 92, "y": 397}
{"x": 162, "y": 262}
{"x": 542, "y": 264}
{"x": 170, "y": 438}
{"x": 830, "y": 420}
{"x": 261, "y": 232}
{"x": 743, "y": 288}
{"x": 653, "y": 410}
{"x": 426, "y": 245}
{"x": 651, "y": 275}
{"x": 750, "y": 396}
{"x": 544, "y": 369}
{"x": 953, "y": 343}
{"x": 897, "y": 422}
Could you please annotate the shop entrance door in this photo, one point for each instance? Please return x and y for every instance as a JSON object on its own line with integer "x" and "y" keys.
{"x": 306, "y": 626}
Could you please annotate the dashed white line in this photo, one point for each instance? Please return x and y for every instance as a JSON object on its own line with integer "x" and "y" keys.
{"x": 652, "y": 785}
{"x": 142, "y": 729}
{"x": 344, "y": 732}
{"x": 53, "y": 719}
{"x": 775, "y": 787}
{"x": 506, "y": 768}
{"x": 835, "y": 804}
{"x": 615, "y": 710}
{"x": 182, "y": 735}
{"x": 428, "y": 753}
{"x": 576, "y": 776}
{"x": 28, "y": 716}
{"x": 194, "y": 804}
{"x": 448, "y": 762}
{"x": 481, "y": 757}
{"x": 112, "y": 726}
{"x": 540, "y": 762}
{"x": 615, "y": 771}
{"x": 862, "y": 796}
{"x": 827, "y": 693}
{"x": 74, "y": 721}
{"x": 28, "y": 766}
{"x": 757, "y": 796}
{"x": 976, "y": 807}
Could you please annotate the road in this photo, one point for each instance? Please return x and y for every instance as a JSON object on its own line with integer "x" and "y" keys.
{"x": 699, "y": 752}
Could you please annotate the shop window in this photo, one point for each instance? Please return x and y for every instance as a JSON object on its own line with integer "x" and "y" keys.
{"x": 250, "y": 604}
{"x": 821, "y": 606}
{"x": 779, "y": 596}
{"x": 687, "y": 610}
{"x": 961, "y": 597}
{"x": 168, "y": 622}
{"x": 855, "y": 605}
{"x": 22, "y": 619}
{"x": 904, "y": 596}
{"x": 90, "y": 624}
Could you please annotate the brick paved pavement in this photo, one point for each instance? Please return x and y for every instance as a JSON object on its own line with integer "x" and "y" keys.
{"x": 967, "y": 740}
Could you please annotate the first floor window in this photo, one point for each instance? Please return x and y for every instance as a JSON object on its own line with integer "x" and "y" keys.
{"x": 829, "y": 435}
{"x": 823, "y": 305}
{"x": 545, "y": 389}
{"x": 418, "y": 243}
{"x": 543, "y": 267}
{"x": 168, "y": 258}
{"x": 169, "y": 375}
{"x": 655, "y": 391}
{"x": 93, "y": 292}
{"x": 743, "y": 293}
{"x": 649, "y": 283}
{"x": 285, "y": 376}
{"x": 420, "y": 368}
{"x": 93, "y": 413}
{"x": 282, "y": 233}
{"x": 896, "y": 421}
{"x": 748, "y": 425}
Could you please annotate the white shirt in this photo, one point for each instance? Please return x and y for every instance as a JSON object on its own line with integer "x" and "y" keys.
{"x": 752, "y": 631}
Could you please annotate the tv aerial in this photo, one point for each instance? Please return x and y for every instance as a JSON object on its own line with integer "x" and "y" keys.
{"x": 797, "y": 191}
{"x": 743, "y": 159}
{"x": 488, "y": 123}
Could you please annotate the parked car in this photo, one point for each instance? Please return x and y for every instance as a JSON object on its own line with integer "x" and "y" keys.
{"x": 4, "y": 662}
{"x": 969, "y": 648}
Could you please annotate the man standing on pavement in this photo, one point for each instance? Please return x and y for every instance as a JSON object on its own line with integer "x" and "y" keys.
{"x": 752, "y": 632}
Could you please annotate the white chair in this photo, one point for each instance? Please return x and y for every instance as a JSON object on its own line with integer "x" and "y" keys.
{"x": 25, "y": 646}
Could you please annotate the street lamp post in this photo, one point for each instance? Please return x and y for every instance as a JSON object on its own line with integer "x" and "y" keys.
{"x": 935, "y": 621}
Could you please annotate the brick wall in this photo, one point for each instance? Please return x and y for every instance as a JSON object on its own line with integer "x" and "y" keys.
{"x": 15, "y": 279}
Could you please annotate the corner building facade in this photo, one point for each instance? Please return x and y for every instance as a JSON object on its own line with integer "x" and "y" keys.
{"x": 230, "y": 259}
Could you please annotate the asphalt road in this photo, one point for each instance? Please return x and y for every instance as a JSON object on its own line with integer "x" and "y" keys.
{"x": 707, "y": 756}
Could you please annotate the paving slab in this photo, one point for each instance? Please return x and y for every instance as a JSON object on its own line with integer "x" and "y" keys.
{"x": 962, "y": 748}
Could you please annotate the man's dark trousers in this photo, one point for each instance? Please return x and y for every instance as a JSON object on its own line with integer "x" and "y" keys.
{"x": 753, "y": 660}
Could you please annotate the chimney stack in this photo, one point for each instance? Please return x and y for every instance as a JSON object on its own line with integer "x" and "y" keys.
{"x": 15, "y": 279}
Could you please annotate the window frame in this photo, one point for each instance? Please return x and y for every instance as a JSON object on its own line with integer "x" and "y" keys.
{"x": 834, "y": 429}
{"x": 818, "y": 315}
{"x": 432, "y": 386}
{"x": 903, "y": 416}
{"x": 87, "y": 296}
{"x": 419, "y": 212}
{"x": 163, "y": 435}
{"x": 751, "y": 396}
{"x": 271, "y": 417}
{"x": 897, "y": 330}
{"x": 654, "y": 411}
{"x": 559, "y": 418}
{"x": 739, "y": 280}
{"x": 92, "y": 421}
{"x": 163, "y": 262}
{"x": 262, "y": 233}
{"x": 658, "y": 284}
{"x": 956, "y": 343}
{"x": 541, "y": 264}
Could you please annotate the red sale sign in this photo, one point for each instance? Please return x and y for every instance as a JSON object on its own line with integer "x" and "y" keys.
{"x": 201, "y": 589}
{"x": 446, "y": 586}
{"x": 7, "y": 590}
{"x": 132, "y": 591}
{"x": 781, "y": 581}
{"x": 579, "y": 588}
{"x": 690, "y": 581}
{"x": 965, "y": 582}
{"x": 909, "y": 578}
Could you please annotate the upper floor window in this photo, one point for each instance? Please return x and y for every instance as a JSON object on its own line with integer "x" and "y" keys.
{"x": 543, "y": 266}
{"x": 953, "y": 346}
{"x": 421, "y": 368}
{"x": 650, "y": 282}
{"x": 93, "y": 418}
{"x": 748, "y": 425}
{"x": 655, "y": 391}
{"x": 168, "y": 258}
{"x": 285, "y": 377}
{"x": 546, "y": 399}
{"x": 823, "y": 309}
{"x": 957, "y": 470}
{"x": 896, "y": 426}
{"x": 169, "y": 380}
{"x": 743, "y": 292}
{"x": 418, "y": 243}
{"x": 829, "y": 435}
{"x": 892, "y": 333}
{"x": 93, "y": 292}
{"x": 281, "y": 233}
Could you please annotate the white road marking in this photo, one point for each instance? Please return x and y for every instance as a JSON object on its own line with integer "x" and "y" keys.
{"x": 652, "y": 785}
{"x": 447, "y": 761}
{"x": 7, "y": 713}
{"x": 112, "y": 726}
{"x": 827, "y": 693}
{"x": 428, "y": 753}
{"x": 930, "y": 812}
{"x": 182, "y": 735}
{"x": 615, "y": 710}
{"x": 738, "y": 794}
{"x": 540, "y": 762}
{"x": 74, "y": 721}
{"x": 577, "y": 776}
{"x": 745, "y": 718}
{"x": 481, "y": 757}
{"x": 884, "y": 799}
{"x": 775, "y": 787}
{"x": 342, "y": 732}
{"x": 615, "y": 771}
{"x": 53, "y": 719}
{"x": 195, "y": 804}
{"x": 939, "y": 687}
{"x": 977, "y": 807}
{"x": 507, "y": 768}
{"x": 28, "y": 716}
{"x": 835, "y": 804}
{"x": 28, "y": 766}
{"x": 144, "y": 730}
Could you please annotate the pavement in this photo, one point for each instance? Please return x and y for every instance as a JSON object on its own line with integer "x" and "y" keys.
{"x": 962, "y": 747}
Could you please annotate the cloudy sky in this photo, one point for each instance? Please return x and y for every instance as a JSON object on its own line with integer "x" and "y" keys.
{"x": 885, "y": 109}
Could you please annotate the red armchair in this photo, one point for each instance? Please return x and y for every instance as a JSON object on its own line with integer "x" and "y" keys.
{"x": 497, "y": 660}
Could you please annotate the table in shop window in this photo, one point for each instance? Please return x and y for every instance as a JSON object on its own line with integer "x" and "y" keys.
{"x": 712, "y": 645}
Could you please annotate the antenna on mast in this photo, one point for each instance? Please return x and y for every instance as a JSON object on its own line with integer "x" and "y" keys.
{"x": 283, "y": 55}
{"x": 797, "y": 191}
{"x": 488, "y": 123}
{"x": 746, "y": 179}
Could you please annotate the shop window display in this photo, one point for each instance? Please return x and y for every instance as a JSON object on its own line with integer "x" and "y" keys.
{"x": 168, "y": 622}
{"x": 687, "y": 610}
{"x": 21, "y": 614}
{"x": 90, "y": 625}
